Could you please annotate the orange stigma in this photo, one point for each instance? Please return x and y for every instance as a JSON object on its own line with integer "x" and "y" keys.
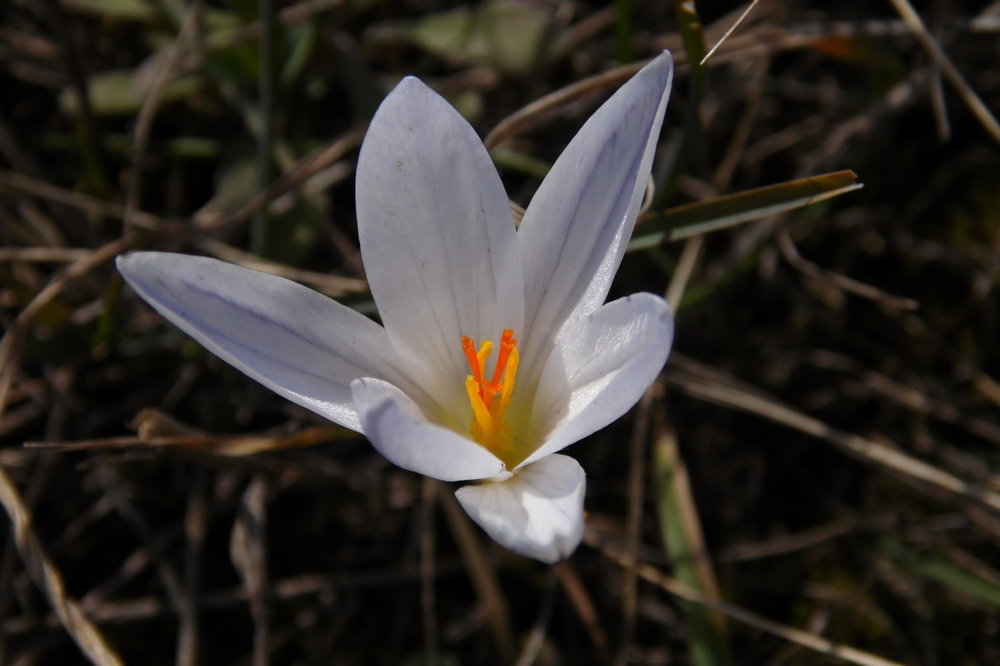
{"x": 490, "y": 398}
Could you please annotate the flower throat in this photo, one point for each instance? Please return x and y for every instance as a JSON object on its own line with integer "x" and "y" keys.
{"x": 490, "y": 398}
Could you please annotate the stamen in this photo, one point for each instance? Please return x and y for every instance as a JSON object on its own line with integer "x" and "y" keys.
{"x": 485, "y": 349}
{"x": 490, "y": 399}
{"x": 481, "y": 413}
{"x": 469, "y": 347}
{"x": 507, "y": 344}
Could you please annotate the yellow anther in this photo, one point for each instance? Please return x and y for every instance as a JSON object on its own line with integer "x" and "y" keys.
{"x": 490, "y": 399}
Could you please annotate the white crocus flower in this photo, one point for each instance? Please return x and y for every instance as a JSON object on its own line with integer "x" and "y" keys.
{"x": 449, "y": 271}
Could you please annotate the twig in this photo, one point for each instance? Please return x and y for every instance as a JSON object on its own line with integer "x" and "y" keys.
{"x": 429, "y": 492}
{"x": 536, "y": 637}
{"x": 531, "y": 116}
{"x": 91, "y": 144}
{"x": 685, "y": 266}
{"x": 55, "y": 255}
{"x": 92, "y": 205}
{"x": 732, "y": 29}
{"x": 267, "y": 11}
{"x": 306, "y": 167}
{"x": 248, "y": 553}
{"x": 745, "y": 552}
{"x": 576, "y": 591}
{"x": 792, "y": 256}
{"x": 941, "y": 59}
{"x": 195, "y": 527}
{"x": 144, "y": 121}
{"x": 50, "y": 581}
{"x": 730, "y": 395}
{"x": 797, "y": 636}
{"x": 482, "y": 572}
{"x": 331, "y": 285}
{"x": 14, "y": 336}
{"x": 636, "y": 492}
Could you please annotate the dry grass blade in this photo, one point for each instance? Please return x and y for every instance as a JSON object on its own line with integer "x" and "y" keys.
{"x": 307, "y": 167}
{"x": 531, "y": 116}
{"x": 941, "y": 59}
{"x": 792, "y": 256}
{"x": 536, "y": 637}
{"x": 745, "y": 552}
{"x": 482, "y": 572}
{"x": 729, "y": 395}
{"x": 797, "y": 636}
{"x": 156, "y": 429}
{"x": 427, "y": 601}
{"x": 730, "y": 31}
{"x": 55, "y": 255}
{"x": 94, "y": 206}
{"x": 920, "y": 402}
{"x": 636, "y": 495}
{"x": 14, "y": 335}
{"x": 249, "y": 555}
{"x": 144, "y": 122}
{"x": 331, "y": 285}
{"x": 583, "y": 605}
{"x": 48, "y": 578}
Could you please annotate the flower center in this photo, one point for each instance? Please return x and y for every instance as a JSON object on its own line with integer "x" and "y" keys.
{"x": 490, "y": 398}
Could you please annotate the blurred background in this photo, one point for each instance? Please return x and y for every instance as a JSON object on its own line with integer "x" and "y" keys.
{"x": 813, "y": 480}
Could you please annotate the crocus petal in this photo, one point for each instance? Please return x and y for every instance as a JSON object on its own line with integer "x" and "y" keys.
{"x": 577, "y": 226}
{"x": 398, "y": 430}
{"x": 437, "y": 236}
{"x": 298, "y": 343}
{"x": 599, "y": 369}
{"x": 538, "y": 512}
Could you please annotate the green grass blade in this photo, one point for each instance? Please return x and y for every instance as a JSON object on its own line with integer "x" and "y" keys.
{"x": 960, "y": 581}
{"x": 727, "y": 211}
{"x": 681, "y": 531}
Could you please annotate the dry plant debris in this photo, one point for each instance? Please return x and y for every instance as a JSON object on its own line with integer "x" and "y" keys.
{"x": 813, "y": 480}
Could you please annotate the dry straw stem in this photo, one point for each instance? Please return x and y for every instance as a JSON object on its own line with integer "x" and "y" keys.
{"x": 719, "y": 388}
{"x": 12, "y": 339}
{"x": 26, "y": 185}
{"x": 331, "y": 285}
{"x": 792, "y": 256}
{"x": 298, "y": 174}
{"x": 633, "y": 521}
{"x": 249, "y": 556}
{"x": 481, "y": 571}
{"x": 918, "y": 401}
{"x": 48, "y": 578}
{"x": 730, "y": 31}
{"x": 757, "y": 550}
{"x": 538, "y": 112}
{"x": 797, "y": 636}
{"x": 147, "y": 114}
{"x": 43, "y": 255}
{"x": 584, "y": 606}
{"x": 536, "y": 637}
{"x": 941, "y": 59}
{"x": 427, "y": 556}
{"x": 304, "y": 169}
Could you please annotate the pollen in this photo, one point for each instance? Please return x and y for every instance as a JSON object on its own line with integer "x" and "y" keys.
{"x": 490, "y": 398}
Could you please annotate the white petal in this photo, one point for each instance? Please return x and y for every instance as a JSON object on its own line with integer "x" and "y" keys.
{"x": 437, "y": 236}
{"x": 599, "y": 369}
{"x": 298, "y": 343}
{"x": 538, "y": 512}
{"x": 399, "y": 431}
{"x": 577, "y": 226}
